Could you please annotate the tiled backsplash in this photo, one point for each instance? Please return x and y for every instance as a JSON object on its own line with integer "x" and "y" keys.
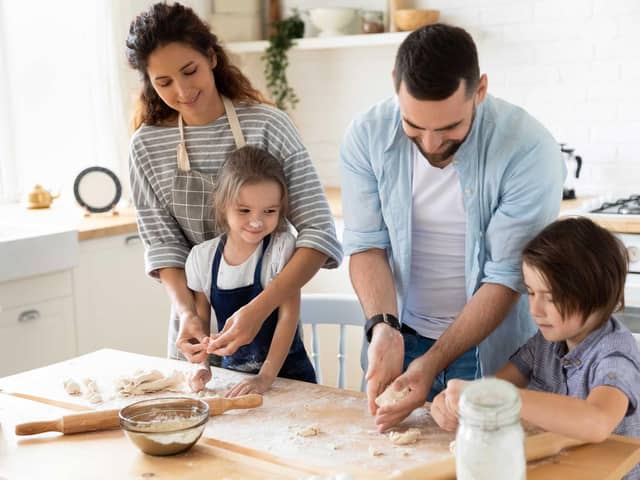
{"x": 574, "y": 64}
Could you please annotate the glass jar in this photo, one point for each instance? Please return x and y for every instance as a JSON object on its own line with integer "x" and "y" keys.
{"x": 490, "y": 439}
{"x": 372, "y": 21}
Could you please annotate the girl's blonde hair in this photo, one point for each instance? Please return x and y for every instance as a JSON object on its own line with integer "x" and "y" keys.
{"x": 248, "y": 165}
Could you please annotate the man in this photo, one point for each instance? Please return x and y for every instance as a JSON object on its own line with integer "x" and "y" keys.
{"x": 442, "y": 187}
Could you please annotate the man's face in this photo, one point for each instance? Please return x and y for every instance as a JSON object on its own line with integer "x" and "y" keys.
{"x": 439, "y": 127}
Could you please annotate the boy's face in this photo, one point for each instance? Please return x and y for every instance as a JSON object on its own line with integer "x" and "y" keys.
{"x": 553, "y": 326}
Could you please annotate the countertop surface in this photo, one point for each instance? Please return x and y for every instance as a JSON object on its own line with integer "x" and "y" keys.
{"x": 107, "y": 224}
{"x": 257, "y": 443}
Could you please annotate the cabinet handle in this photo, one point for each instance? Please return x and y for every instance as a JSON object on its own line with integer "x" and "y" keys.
{"x": 132, "y": 238}
{"x": 29, "y": 316}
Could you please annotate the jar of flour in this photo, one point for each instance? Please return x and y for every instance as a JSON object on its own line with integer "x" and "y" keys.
{"x": 490, "y": 439}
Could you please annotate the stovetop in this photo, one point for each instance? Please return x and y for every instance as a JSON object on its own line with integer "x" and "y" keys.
{"x": 623, "y": 206}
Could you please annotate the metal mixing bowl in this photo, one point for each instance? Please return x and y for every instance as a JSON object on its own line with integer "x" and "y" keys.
{"x": 165, "y": 426}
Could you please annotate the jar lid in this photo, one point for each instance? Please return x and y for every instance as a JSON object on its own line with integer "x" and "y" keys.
{"x": 490, "y": 403}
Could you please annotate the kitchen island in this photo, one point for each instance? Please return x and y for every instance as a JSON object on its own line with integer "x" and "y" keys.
{"x": 258, "y": 443}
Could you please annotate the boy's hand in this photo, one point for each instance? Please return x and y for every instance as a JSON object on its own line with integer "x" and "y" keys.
{"x": 258, "y": 384}
{"x": 444, "y": 408}
{"x": 199, "y": 378}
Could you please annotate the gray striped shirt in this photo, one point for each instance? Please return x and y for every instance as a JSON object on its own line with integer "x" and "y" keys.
{"x": 168, "y": 237}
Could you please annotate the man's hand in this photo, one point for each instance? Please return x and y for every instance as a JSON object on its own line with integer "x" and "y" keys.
{"x": 386, "y": 357}
{"x": 444, "y": 408}
{"x": 239, "y": 329}
{"x": 192, "y": 338}
{"x": 417, "y": 380}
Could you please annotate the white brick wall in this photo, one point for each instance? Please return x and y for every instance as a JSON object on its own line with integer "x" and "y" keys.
{"x": 574, "y": 64}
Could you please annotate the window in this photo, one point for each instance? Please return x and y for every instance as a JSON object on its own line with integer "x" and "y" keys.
{"x": 62, "y": 103}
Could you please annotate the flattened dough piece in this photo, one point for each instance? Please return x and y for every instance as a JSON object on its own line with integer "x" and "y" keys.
{"x": 72, "y": 387}
{"x": 309, "y": 431}
{"x": 391, "y": 397}
{"x": 407, "y": 437}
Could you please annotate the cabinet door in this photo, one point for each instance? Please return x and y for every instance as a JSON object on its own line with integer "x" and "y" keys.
{"x": 117, "y": 304}
{"x": 36, "y": 335}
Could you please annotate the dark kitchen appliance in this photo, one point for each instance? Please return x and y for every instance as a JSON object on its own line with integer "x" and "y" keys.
{"x": 574, "y": 165}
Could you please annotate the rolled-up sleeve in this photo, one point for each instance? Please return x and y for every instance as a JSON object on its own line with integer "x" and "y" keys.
{"x": 364, "y": 226}
{"x": 524, "y": 358}
{"x": 164, "y": 241}
{"x": 530, "y": 200}
{"x": 619, "y": 371}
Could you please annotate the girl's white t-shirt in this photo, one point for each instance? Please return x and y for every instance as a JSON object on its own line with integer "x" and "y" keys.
{"x": 200, "y": 261}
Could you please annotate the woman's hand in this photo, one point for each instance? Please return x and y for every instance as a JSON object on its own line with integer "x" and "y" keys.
{"x": 239, "y": 329}
{"x": 258, "y": 384}
{"x": 200, "y": 377}
{"x": 192, "y": 339}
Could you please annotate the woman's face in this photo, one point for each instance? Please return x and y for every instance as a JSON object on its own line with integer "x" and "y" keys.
{"x": 182, "y": 78}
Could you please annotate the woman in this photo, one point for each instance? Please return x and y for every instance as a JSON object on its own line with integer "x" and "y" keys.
{"x": 194, "y": 109}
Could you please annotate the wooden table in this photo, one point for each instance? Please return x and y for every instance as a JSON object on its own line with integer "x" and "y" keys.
{"x": 245, "y": 444}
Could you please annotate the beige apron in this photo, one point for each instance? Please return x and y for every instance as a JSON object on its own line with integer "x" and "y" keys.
{"x": 191, "y": 200}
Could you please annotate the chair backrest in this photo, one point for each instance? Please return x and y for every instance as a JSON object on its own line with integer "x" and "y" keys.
{"x": 331, "y": 309}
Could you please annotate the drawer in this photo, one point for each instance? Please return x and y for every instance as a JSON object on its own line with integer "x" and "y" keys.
{"x": 35, "y": 289}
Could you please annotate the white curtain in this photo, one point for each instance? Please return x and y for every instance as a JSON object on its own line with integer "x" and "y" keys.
{"x": 66, "y": 91}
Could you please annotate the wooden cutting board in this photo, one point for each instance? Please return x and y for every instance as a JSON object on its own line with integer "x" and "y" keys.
{"x": 266, "y": 437}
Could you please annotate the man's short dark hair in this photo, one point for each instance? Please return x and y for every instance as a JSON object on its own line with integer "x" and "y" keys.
{"x": 584, "y": 266}
{"x": 433, "y": 60}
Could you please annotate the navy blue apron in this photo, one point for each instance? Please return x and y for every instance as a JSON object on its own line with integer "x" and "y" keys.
{"x": 249, "y": 358}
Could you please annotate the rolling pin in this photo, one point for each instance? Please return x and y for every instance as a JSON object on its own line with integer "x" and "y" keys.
{"x": 536, "y": 447}
{"x": 108, "y": 419}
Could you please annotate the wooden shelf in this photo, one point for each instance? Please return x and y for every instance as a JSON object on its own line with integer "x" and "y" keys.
{"x": 324, "y": 43}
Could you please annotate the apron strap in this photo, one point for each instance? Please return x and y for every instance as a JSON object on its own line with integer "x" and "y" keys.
{"x": 232, "y": 117}
{"x": 234, "y": 123}
{"x": 181, "y": 149}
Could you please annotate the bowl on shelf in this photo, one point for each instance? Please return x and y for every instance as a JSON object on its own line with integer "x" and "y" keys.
{"x": 331, "y": 21}
{"x": 164, "y": 426}
{"x": 407, "y": 19}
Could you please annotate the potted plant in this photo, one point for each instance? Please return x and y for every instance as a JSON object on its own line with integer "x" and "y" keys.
{"x": 276, "y": 61}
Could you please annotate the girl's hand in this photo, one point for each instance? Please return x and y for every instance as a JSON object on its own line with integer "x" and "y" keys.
{"x": 258, "y": 384}
{"x": 199, "y": 378}
{"x": 239, "y": 329}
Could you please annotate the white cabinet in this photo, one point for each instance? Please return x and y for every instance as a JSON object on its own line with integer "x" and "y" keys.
{"x": 36, "y": 322}
{"x": 117, "y": 304}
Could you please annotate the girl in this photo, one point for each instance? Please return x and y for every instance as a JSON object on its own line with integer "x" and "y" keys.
{"x": 194, "y": 109}
{"x": 579, "y": 374}
{"x": 230, "y": 270}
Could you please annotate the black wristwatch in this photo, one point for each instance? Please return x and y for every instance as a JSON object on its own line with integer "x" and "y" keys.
{"x": 387, "y": 318}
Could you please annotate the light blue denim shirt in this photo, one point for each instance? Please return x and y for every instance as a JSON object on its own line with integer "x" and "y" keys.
{"x": 511, "y": 173}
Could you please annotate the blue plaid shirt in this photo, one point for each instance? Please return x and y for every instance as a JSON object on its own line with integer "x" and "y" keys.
{"x": 608, "y": 356}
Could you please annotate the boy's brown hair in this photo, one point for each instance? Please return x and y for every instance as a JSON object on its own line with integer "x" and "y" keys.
{"x": 248, "y": 165}
{"x": 583, "y": 264}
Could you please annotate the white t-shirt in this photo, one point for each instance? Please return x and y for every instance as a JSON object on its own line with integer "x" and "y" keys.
{"x": 200, "y": 262}
{"x": 436, "y": 293}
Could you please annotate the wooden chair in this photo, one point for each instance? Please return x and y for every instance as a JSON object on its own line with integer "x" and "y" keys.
{"x": 331, "y": 309}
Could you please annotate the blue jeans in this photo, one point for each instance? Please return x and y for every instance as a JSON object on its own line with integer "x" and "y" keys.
{"x": 465, "y": 367}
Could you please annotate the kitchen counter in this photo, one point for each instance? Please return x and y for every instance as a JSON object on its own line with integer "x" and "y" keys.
{"x": 247, "y": 444}
{"x": 106, "y": 224}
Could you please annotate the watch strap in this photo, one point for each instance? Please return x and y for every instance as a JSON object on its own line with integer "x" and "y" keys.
{"x": 386, "y": 318}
